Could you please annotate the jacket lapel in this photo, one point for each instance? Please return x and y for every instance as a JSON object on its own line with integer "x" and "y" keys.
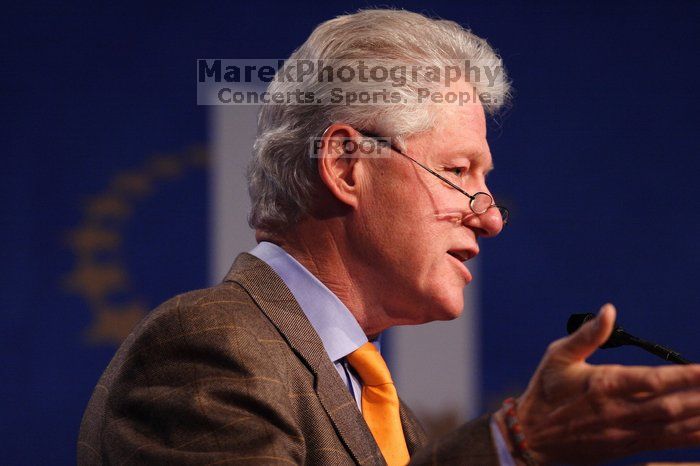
{"x": 412, "y": 430}
{"x": 273, "y": 297}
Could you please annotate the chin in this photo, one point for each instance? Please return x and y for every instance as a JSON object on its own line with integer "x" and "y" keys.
{"x": 429, "y": 301}
{"x": 448, "y": 306}
{"x": 453, "y": 313}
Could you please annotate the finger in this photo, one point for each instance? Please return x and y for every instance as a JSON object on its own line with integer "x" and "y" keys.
{"x": 582, "y": 343}
{"x": 593, "y": 446}
{"x": 664, "y": 409}
{"x": 593, "y": 412}
{"x": 684, "y": 426}
{"x": 681, "y": 434}
{"x": 598, "y": 408}
{"x": 609, "y": 438}
{"x": 687, "y": 440}
{"x": 633, "y": 380}
{"x": 622, "y": 442}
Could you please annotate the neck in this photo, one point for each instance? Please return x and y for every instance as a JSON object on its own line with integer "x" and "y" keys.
{"x": 318, "y": 245}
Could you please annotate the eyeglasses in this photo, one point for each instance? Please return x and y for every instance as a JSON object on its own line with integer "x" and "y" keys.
{"x": 479, "y": 203}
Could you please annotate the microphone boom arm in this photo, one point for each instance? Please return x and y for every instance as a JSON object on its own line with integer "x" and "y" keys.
{"x": 621, "y": 338}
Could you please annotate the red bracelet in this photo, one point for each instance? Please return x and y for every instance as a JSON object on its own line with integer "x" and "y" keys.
{"x": 516, "y": 432}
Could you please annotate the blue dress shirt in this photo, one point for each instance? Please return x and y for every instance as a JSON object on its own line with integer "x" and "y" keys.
{"x": 335, "y": 324}
{"x": 339, "y": 331}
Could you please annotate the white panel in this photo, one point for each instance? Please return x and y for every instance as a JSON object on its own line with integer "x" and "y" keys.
{"x": 233, "y": 131}
{"x": 435, "y": 365}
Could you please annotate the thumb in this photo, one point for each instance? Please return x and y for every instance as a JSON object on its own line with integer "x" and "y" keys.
{"x": 582, "y": 343}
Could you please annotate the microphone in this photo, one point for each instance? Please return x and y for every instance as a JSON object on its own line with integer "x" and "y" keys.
{"x": 620, "y": 337}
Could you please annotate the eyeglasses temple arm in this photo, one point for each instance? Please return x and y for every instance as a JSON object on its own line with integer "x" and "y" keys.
{"x": 433, "y": 172}
{"x": 429, "y": 170}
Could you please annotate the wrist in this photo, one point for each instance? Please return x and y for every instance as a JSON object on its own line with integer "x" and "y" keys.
{"x": 499, "y": 418}
{"x": 511, "y": 429}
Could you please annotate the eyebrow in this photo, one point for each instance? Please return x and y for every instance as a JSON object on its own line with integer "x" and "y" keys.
{"x": 477, "y": 155}
{"x": 469, "y": 153}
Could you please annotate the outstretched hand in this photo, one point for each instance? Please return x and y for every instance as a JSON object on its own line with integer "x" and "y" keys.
{"x": 577, "y": 413}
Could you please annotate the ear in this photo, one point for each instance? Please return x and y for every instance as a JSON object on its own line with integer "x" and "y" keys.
{"x": 337, "y": 166}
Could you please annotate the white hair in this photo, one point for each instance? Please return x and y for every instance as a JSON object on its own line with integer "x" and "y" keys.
{"x": 282, "y": 177}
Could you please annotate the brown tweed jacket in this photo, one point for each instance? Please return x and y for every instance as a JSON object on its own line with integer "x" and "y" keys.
{"x": 236, "y": 374}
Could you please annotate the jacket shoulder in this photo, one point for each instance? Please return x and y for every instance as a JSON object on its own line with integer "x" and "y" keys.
{"x": 197, "y": 356}
{"x": 200, "y": 311}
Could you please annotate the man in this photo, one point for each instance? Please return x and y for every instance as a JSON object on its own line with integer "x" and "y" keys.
{"x": 278, "y": 364}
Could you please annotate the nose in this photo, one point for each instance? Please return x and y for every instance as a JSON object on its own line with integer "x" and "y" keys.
{"x": 488, "y": 224}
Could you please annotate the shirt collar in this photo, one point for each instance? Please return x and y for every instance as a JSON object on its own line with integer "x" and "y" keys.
{"x": 340, "y": 332}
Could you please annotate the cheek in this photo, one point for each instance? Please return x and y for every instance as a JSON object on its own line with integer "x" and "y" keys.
{"x": 389, "y": 209}
{"x": 399, "y": 228}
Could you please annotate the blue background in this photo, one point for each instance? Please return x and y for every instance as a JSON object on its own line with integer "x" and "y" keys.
{"x": 597, "y": 159}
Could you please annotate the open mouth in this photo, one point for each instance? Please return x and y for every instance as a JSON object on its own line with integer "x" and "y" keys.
{"x": 461, "y": 256}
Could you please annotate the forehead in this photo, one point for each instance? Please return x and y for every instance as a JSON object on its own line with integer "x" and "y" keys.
{"x": 459, "y": 130}
{"x": 468, "y": 119}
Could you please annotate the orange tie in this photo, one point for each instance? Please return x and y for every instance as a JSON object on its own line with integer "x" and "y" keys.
{"x": 380, "y": 403}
